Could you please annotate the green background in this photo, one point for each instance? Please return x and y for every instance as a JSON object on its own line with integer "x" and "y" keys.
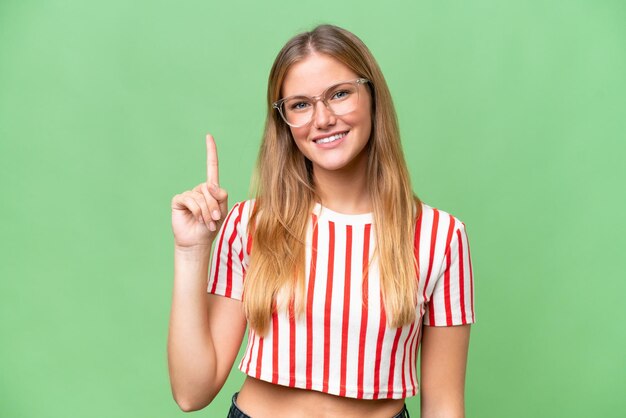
{"x": 512, "y": 116}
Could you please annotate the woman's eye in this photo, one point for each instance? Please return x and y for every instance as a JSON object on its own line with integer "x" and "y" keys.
{"x": 299, "y": 106}
{"x": 341, "y": 94}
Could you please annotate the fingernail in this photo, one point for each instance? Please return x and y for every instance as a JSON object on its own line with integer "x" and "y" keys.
{"x": 216, "y": 215}
{"x": 212, "y": 226}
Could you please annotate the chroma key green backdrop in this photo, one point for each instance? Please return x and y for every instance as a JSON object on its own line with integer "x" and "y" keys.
{"x": 512, "y": 116}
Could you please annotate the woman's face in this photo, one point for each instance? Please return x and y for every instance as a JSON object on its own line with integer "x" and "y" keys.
{"x": 349, "y": 133}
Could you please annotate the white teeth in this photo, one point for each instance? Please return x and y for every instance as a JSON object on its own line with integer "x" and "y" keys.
{"x": 331, "y": 138}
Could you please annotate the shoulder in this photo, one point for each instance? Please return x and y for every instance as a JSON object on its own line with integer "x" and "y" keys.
{"x": 438, "y": 222}
{"x": 244, "y": 206}
{"x": 238, "y": 217}
{"x": 241, "y": 210}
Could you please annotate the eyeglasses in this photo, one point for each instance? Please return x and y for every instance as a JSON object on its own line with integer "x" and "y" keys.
{"x": 341, "y": 99}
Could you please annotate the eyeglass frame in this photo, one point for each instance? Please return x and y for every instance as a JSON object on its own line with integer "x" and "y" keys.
{"x": 278, "y": 104}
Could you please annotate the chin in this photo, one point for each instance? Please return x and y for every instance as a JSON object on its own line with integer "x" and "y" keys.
{"x": 336, "y": 165}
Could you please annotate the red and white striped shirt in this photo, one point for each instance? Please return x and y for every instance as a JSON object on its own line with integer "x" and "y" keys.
{"x": 342, "y": 346}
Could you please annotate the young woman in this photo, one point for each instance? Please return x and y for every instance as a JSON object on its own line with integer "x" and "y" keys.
{"x": 338, "y": 270}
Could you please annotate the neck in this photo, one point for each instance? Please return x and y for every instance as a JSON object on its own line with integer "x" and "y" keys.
{"x": 344, "y": 191}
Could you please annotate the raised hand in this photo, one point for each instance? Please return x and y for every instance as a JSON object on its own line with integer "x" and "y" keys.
{"x": 197, "y": 214}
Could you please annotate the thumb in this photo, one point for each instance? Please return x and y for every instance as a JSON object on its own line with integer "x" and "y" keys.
{"x": 220, "y": 195}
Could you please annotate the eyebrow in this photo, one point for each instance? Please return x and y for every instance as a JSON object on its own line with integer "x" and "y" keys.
{"x": 308, "y": 95}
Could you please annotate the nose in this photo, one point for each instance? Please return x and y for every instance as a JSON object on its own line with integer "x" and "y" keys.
{"x": 322, "y": 116}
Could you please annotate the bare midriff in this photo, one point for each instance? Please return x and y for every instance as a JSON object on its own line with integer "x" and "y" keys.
{"x": 261, "y": 399}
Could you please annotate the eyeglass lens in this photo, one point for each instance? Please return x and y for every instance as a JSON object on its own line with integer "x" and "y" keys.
{"x": 340, "y": 99}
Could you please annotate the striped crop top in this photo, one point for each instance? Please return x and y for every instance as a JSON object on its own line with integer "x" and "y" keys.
{"x": 342, "y": 346}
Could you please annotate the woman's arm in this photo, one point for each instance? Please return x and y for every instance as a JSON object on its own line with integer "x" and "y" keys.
{"x": 443, "y": 364}
{"x": 205, "y": 330}
{"x": 205, "y": 333}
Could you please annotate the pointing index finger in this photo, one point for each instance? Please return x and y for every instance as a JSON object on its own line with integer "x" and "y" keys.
{"x": 212, "y": 171}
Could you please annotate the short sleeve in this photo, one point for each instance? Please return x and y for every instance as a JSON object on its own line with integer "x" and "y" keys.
{"x": 227, "y": 263}
{"x": 452, "y": 300}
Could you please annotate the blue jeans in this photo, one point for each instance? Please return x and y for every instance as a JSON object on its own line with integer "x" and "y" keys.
{"x": 235, "y": 412}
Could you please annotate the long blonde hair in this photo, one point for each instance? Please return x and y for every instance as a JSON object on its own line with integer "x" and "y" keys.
{"x": 285, "y": 192}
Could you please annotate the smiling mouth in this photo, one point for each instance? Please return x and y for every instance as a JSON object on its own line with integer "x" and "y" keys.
{"x": 330, "y": 139}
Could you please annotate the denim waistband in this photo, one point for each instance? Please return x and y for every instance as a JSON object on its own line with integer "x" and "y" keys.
{"x": 235, "y": 412}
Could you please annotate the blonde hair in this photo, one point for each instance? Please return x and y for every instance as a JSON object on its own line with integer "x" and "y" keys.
{"x": 285, "y": 192}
